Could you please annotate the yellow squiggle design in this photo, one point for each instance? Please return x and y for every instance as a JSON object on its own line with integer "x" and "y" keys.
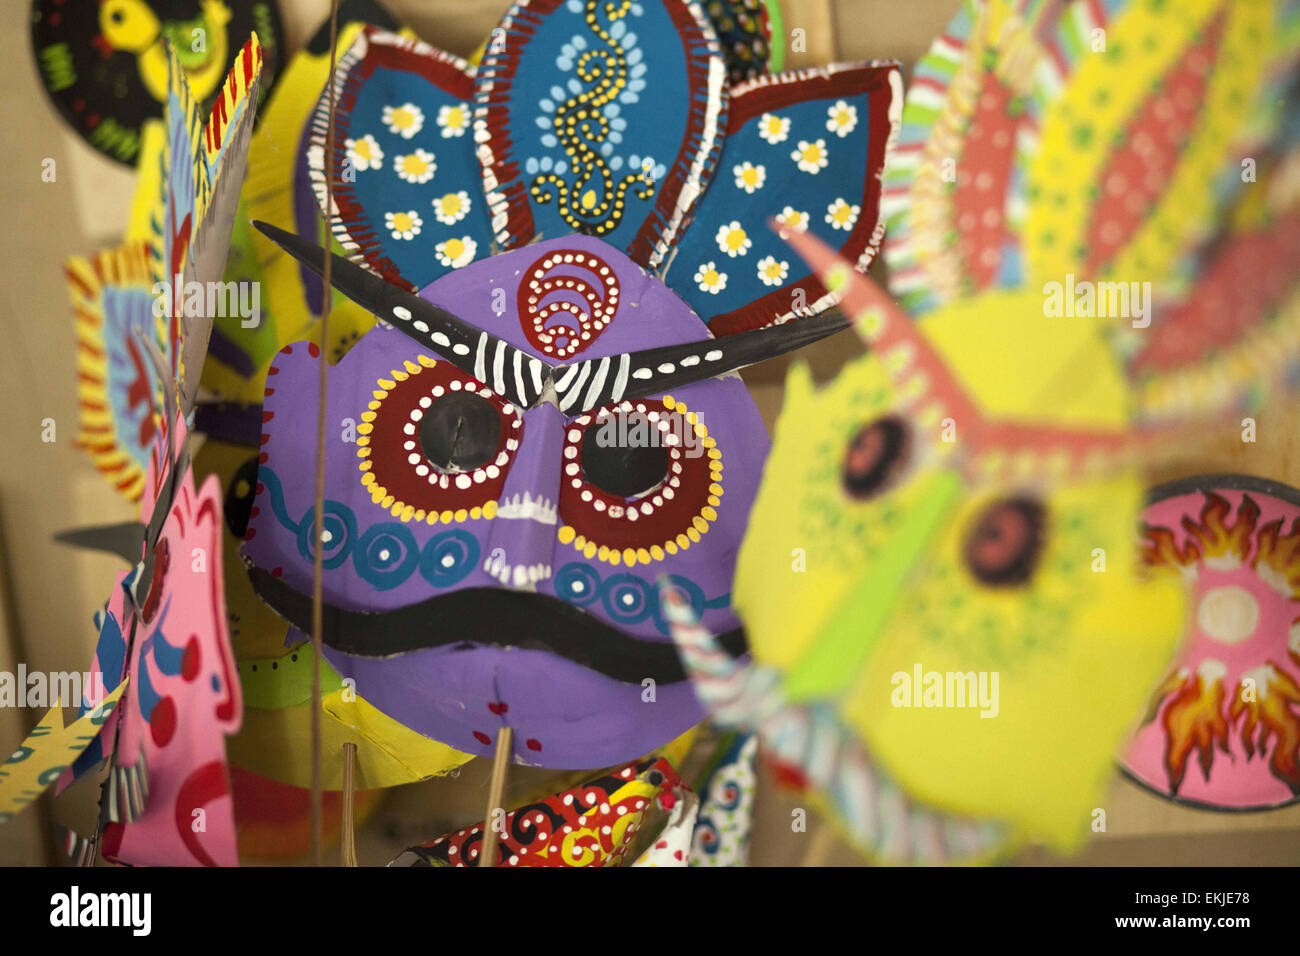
{"x": 593, "y": 203}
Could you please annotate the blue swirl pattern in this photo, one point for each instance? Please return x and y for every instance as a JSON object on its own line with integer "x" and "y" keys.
{"x": 385, "y": 555}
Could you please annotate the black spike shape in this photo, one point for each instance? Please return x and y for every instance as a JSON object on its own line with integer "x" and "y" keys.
{"x": 593, "y": 383}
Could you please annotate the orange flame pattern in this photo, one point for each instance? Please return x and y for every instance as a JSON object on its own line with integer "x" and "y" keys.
{"x": 1160, "y": 548}
{"x": 1272, "y": 713}
{"x": 1281, "y": 553}
{"x": 1194, "y": 721}
{"x": 1218, "y": 538}
{"x": 1172, "y": 681}
{"x": 1213, "y": 536}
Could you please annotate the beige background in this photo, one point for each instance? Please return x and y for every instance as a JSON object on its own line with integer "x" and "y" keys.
{"x": 48, "y": 593}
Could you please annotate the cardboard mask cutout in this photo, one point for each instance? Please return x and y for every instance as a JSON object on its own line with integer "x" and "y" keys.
{"x": 1223, "y": 728}
{"x": 118, "y": 391}
{"x": 553, "y": 354}
{"x": 167, "y": 796}
{"x": 104, "y": 63}
{"x": 203, "y": 169}
{"x": 590, "y": 825}
{"x": 940, "y": 493}
{"x": 186, "y": 698}
{"x": 494, "y": 531}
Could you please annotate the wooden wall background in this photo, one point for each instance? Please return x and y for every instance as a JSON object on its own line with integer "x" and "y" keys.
{"x": 48, "y": 592}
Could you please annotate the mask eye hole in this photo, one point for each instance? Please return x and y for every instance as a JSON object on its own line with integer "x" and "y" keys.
{"x": 459, "y": 432}
{"x": 1006, "y": 541}
{"x": 241, "y": 491}
{"x": 641, "y": 479}
{"x": 437, "y": 444}
{"x": 876, "y": 454}
{"x": 622, "y": 470}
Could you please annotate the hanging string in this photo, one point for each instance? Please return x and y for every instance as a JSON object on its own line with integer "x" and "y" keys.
{"x": 348, "y": 838}
{"x": 317, "y": 589}
{"x": 487, "y": 856}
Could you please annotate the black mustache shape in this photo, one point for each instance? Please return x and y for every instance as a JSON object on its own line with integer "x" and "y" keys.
{"x": 578, "y": 387}
{"x": 488, "y": 617}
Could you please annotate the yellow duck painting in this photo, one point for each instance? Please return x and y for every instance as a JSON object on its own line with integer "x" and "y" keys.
{"x": 131, "y": 26}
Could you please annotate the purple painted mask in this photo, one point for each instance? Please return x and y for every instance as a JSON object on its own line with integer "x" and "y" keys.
{"x": 515, "y": 489}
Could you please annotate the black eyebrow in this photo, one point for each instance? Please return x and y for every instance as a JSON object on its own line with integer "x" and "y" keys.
{"x": 505, "y": 369}
{"x": 592, "y": 383}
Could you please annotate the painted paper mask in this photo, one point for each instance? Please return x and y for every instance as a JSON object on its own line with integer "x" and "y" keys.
{"x": 185, "y": 697}
{"x": 403, "y": 126}
{"x": 203, "y": 168}
{"x": 591, "y": 825}
{"x": 164, "y": 650}
{"x": 163, "y": 631}
{"x": 493, "y": 536}
{"x": 1223, "y": 729}
{"x": 918, "y": 556}
{"x": 105, "y": 62}
{"x": 968, "y": 495}
{"x": 118, "y": 389}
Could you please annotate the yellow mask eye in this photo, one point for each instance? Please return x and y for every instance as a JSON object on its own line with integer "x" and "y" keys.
{"x": 877, "y": 453}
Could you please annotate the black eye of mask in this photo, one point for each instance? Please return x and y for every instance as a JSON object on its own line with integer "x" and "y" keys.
{"x": 875, "y": 455}
{"x": 459, "y": 432}
{"x": 238, "y": 505}
{"x": 1006, "y": 541}
{"x": 622, "y": 470}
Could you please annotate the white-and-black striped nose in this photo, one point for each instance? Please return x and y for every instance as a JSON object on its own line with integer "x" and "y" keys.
{"x": 575, "y": 387}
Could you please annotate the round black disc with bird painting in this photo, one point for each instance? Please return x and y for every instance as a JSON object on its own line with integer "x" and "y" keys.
{"x": 104, "y": 62}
